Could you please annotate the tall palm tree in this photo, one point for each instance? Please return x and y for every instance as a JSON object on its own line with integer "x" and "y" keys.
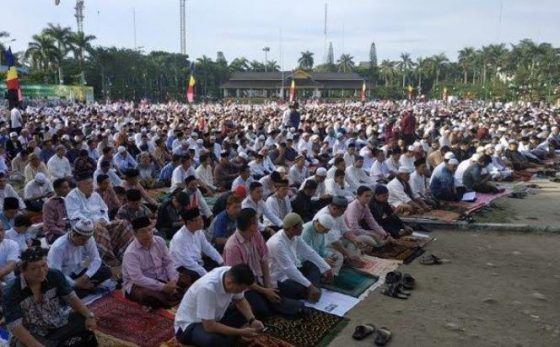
{"x": 387, "y": 70}
{"x": 439, "y": 61}
{"x": 239, "y": 64}
{"x": 306, "y": 60}
{"x": 41, "y": 52}
{"x": 405, "y": 64}
{"x": 346, "y": 63}
{"x": 466, "y": 60}
{"x": 80, "y": 44}
{"x": 272, "y": 65}
{"x": 62, "y": 38}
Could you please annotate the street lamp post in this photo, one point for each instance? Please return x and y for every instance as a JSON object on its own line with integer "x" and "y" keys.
{"x": 266, "y": 50}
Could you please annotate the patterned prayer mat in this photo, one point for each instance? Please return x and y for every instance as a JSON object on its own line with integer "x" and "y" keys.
{"x": 128, "y": 321}
{"x": 377, "y": 266}
{"x": 314, "y": 329}
{"x": 442, "y": 215}
{"x": 405, "y": 249}
{"x": 111, "y": 341}
{"x": 351, "y": 282}
{"x": 482, "y": 200}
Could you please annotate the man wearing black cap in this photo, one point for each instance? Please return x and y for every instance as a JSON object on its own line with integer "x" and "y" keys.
{"x": 153, "y": 283}
{"x": 133, "y": 208}
{"x": 76, "y": 255}
{"x": 169, "y": 218}
{"x": 384, "y": 214}
{"x": 225, "y": 172}
{"x": 131, "y": 182}
{"x": 9, "y": 211}
{"x": 35, "y": 310}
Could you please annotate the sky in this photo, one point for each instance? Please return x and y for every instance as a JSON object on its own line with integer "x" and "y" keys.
{"x": 288, "y": 27}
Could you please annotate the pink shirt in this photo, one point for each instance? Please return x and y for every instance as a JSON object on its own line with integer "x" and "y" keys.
{"x": 357, "y": 212}
{"x": 149, "y": 268}
{"x": 251, "y": 252}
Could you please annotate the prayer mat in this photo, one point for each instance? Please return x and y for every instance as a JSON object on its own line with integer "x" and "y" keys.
{"x": 378, "y": 267}
{"x": 442, "y": 215}
{"x": 130, "y": 322}
{"x": 351, "y": 282}
{"x": 398, "y": 252}
{"x": 314, "y": 329}
{"x": 111, "y": 341}
{"x": 482, "y": 200}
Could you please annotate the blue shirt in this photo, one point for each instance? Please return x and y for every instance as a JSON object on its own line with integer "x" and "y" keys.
{"x": 46, "y": 154}
{"x": 126, "y": 163}
{"x": 8, "y": 223}
{"x": 224, "y": 226}
{"x": 442, "y": 183}
{"x": 167, "y": 172}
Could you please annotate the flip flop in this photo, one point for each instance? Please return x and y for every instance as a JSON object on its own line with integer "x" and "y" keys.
{"x": 408, "y": 282}
{"x": 363, "y": 331}
{"x": 431, "y": 260}
{"x": 383, "y": 337}
{"x": 393, "y": 291}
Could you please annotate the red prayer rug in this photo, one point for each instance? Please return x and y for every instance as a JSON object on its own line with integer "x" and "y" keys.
{"x": 129, "y": 321}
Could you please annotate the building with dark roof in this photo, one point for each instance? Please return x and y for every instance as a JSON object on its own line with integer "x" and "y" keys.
{"x": 308, "y": 84}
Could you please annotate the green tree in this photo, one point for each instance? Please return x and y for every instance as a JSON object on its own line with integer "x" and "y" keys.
{"x": 345, "y": 63}
{"x": 80, "y": 45}
{"x": 61, "y": 36}
{"x": 405, "y": 65}
{"x": 306, "y": 61}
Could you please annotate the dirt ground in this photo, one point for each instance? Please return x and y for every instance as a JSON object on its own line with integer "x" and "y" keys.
{"x": 499, "y": 289}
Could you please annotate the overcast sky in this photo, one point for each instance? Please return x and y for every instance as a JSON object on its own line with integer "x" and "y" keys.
{"x": 244, "y": 27}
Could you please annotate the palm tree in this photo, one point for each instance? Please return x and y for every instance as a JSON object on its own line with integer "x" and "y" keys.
{"x": 62, "y": 38}
{"x": 405, "y": 65}
{"x": 387, "y": 70}
{"x": 256, "y": 66}
{"x": 272, "y": 65}
{"x": 439, "y": 61}
{"x": 345, "y": 63}
{"x": 3, "y": 35}
{"x": 466, "y": 60}
{"x": 306, "y": 60}
{"x": 80, "y": 44}
{"x": 239, "y": 64}
{"x": 41, "y": 51}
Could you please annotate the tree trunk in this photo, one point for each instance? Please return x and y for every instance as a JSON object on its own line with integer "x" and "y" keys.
{"x": 465, "y": 76}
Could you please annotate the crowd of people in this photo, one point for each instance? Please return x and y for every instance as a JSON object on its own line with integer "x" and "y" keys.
{"x": 261, "y": 205}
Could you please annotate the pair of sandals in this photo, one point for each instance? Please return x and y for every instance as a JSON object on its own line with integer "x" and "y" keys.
{"x": 398, "y": 285}
{"x": 432, "y": 260}
{"x": 382, "y": 337}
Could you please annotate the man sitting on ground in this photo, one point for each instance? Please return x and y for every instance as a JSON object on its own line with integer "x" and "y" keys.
{"x": 255, "y": 201}
{"x": 108, "y": 193}
{"x": 442, "y": 184}
{"x": 224, "y": 224}
{"x": 279, "y": 202}
{"x": 189, "y": 245}
{"x": 55, "y": 219}
{"x": 9, "y": 256}
{"x": 384, "y": 214}
{"x": 315, "y": 235}
{"x": 9, "y": 211}
{"x": 133, "y": 208}
{"x": 156, "y": 284}
{"x": 475, "y": 180}
{"x": 402, "y": 197}
{"x": 296, "y": 269}
{"x": 304, "y": 205}
{"x": 37, "y": 191}
{"x": 203, "y": 318}
{"x": 244, "y": 178}
{"x": 169, "y": 218}
{"x": 76, "y": 255}
{"x": 36, "y": 307}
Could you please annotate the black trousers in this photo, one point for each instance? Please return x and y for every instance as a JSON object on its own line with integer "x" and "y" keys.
{"x": 294, "y": 290}
{"x": 195, "y": 334}
{"x": 103, "y": 274}
{"x": 72, "y": 334}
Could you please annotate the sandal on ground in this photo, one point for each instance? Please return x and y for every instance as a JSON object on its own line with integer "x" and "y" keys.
{"x": 383, "y": 336}
{"x": 408, "y": 282}
{"x": 363, "y": 331}
{"x": 394, "y": 292}
{"x": 393, "y": 277}
{"x": 431, "y": 260}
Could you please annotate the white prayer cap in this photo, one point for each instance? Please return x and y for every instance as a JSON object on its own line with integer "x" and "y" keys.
{"x": 200, "y": 141}
{"x": 475, "y": 157}
{"x": 449, "y": 155}
{"x": 121, "y": 149}
{"x": 262, "y": 138}
{"x": 321, "y": 172}
{"x": 13, "y": 134}
{"x": 326, "y": 220}
{"x": 84, "y": 227}
{"x": 410, "y": 148}
{"x": 499, "y": 148}
{"x": 453, "y": 161}
{"x": 404, "y": 169}
{"x": 479, "y": 149}
{"x": 280, "y": 169}
{"x": 242, "y": 155}
{"x": 488, "y": 146}
{"x": 40, "y": 178}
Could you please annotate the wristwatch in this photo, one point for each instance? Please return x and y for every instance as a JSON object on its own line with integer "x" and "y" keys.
{"x": 90, "y": 315}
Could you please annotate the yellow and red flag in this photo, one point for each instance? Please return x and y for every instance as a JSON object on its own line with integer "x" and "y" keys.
{"x": 293, "y": 91}
{"x": 364, "y": 91}
{"x": 190, "y": 87}
{"x": 12, "y": 80}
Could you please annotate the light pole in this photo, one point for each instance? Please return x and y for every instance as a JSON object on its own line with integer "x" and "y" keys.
{"x": 266, "y": 50}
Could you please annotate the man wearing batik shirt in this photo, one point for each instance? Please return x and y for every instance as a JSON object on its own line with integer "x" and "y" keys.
{"x": 36, "y": 307}
{"x": 155, "y": 286}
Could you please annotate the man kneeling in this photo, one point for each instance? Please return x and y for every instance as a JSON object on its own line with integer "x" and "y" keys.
{"x": 149, "y": 276}
{"x": 203, "y": 318}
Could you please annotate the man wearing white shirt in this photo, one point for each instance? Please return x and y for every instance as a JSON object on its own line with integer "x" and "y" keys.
{"x": 76, "y": 255}
{"x": 298, "y": 172}
{"x": 255, "y": 201}
{"x": 189, "y": 244}
{"x": 9, "y": 256}
{"x": 59, "y": 165}
{"x": 295, "y": 268}
{"x": 105, "y": 169}
{"x": 463, "y": 167}
{"x": 6, "y": 190}
{"x": 401, "y": 196}
{"x": 257, "y": 167}
{"x": 244, "y": 178}
{"x": 357, "y": 176}
{"x": 269, "y": 166}
{"x": 379, "y": 170}
{"x": 337, "y": 185}
{"x": 123, "y": 161}
{"x": 319, "y": 177}
{"x": 204, "y": 173}
{"x": 37, "y": 191}
{"x": 203, "y": 318}
{"x": 181, "y": 172}
{"x": 279, "y": 203}
{"x": 83, "y": 203}
{"x": 16, "y": 120}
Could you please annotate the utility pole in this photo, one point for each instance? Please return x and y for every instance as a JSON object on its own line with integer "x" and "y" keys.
{"x": 183, "y": 28}
{"x": 134, "y": 25}
{"x": 80, "y": 15}
{"x": 325, "y": 52}
{"x": 266, "y": 50}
